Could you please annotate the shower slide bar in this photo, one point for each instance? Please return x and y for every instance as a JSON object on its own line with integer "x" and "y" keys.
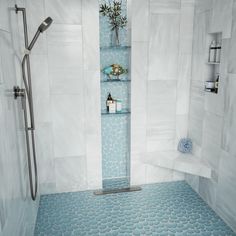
{"x": 27, "y": 98}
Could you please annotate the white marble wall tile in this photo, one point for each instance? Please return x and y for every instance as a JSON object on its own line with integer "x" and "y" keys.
{"x": 139, "y": 96}
{"x": 201, "y": 28}
{"x": 183, "y": 84}
{"x": 232, "y": 52}
{"x": 140, "y": 168}
{"x": 181, "y": 127}
{"x": 202, "y": 6}
{"x": 195, "y": 130}
{"x": 63, "y": 13}
{"x": 65, "y": 44}
{"x": 207, "y": 190}
{"x": 222, "y": 17}
{"x": 90, "y": 19}
{"x": 156, "y": 174}
{"x": 163, "y": 47}
{"x": 140, "y": 20}
{"x": 70, "y": 174}
{"x": 41, "y": 88}
{"x": 68, "y": 125}
{"x": 186, "y": 26}
{"x": 196, "y": 107}
{"x": 15, "y": 203}
{"x": 5, "y": 12}
{"x": 45, "y": 153}
{"x": 193, "y": 181}
{"x": 165, "y": 6}
{"x": 226, "y": 190}
{"x": 92, "y": 100}
{"x": 229, "y": 130}
{"x": 94, "y": 161}
{"x": 160, "y": 144}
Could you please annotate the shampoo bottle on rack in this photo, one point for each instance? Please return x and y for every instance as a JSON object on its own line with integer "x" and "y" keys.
{"x": 212, "y": 52}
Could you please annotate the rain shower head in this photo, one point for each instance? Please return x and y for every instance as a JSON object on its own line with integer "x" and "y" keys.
{"x": 46, "y": 23}
{"x": 44, "y": 26}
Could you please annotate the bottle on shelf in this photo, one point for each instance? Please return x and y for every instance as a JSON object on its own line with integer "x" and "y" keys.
{"x": 218, "y": 52}
{"x": 112, "y": 107}
{"x": 109, "y": 101}
{"x": 217, "y": 83}
{"x": 212, "y": 52}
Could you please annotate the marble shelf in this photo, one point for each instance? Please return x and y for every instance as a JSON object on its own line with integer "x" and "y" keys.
{"x": 175, "y": 160}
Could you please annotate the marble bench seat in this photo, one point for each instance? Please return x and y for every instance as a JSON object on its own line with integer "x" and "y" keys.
{"x": 187, "y": 163}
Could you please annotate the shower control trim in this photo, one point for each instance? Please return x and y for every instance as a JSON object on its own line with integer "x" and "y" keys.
{"x": 18, "y": 92}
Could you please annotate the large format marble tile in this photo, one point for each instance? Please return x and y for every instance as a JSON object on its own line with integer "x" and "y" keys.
{"x": 68, "y": 125}
{"x": 64, "y": 13}
{"x": 15, "y": 204}
{"x": 183, "y": 84}
{"x": 90, "y": 19}
{"x": 221, "y": 20}
{"x": 140, "y": 20}
{"x": 165, "y": 6}
{"x": 65, "y": 44}
{"x": 229, "y": 130}
{"x": 163, "y": 47}
{"x": 207, "y": 190}
{"x": 202, "y": 6}
{"x": 6, "y": 7}
{"x": 226, "y": 190}
{"x": 70, "y": 174}
{"x": 232, "y": 51}
{"x": 186, "y": 26}
{"x": 45, "y": 153}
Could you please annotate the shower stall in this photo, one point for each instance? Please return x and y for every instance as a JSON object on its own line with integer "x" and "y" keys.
{"x": 59, "y": 145}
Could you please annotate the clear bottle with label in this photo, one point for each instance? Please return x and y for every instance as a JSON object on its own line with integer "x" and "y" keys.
{"x": 212, "y": 52}
{"x": 109, "y": 101}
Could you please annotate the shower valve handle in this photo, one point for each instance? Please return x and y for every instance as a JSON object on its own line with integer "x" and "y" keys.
{"x": 18, "y": 92}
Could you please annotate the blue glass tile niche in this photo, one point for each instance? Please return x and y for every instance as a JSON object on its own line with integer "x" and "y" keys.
{"x": 115, "y": 127}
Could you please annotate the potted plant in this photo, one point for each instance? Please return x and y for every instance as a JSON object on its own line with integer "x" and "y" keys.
{"x": 116, "y": 20}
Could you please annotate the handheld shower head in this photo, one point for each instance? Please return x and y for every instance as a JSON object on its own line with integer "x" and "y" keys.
{"x": 46, "y": 23}
{"x": 44, "y": 26}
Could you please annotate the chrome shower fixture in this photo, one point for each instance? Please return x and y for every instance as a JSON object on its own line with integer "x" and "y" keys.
{"x": 44, "y": 26}
{"x": 27, "y": 99}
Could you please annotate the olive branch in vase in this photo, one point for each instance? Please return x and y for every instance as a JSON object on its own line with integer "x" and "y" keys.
{"x": 114, "y": 13}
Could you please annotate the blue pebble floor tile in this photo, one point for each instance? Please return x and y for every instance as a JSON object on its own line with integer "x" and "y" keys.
{"x": 159, "y": 209}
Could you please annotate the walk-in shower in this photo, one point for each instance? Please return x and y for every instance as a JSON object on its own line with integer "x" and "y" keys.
{"x": 26, "y": 94}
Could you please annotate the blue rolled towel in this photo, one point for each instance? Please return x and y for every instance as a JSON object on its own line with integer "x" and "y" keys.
{"x": 185, "y": 145}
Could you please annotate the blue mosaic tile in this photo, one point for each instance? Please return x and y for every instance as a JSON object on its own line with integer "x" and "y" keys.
{"x": 115, "y": 145}
{"x": 115, "y": 128}
{"x": 116, "y": 183}
{"x": 159, "y": 209}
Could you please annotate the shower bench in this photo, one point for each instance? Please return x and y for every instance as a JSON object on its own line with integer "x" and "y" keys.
{"x": 187, "y": 163}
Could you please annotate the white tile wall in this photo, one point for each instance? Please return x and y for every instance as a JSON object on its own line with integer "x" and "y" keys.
{"x": 212, "y": 117}
{"x": 161, "y": 72}
{"x": 15, "y": 202}
{"x": 63, "y": 13}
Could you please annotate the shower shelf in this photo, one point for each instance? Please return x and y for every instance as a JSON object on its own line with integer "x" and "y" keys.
{"x": 187, "y": 163}
{"x": 115, "y": 47}
{"x": 123, "y": 112}
{"x": 116, "y": 81}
